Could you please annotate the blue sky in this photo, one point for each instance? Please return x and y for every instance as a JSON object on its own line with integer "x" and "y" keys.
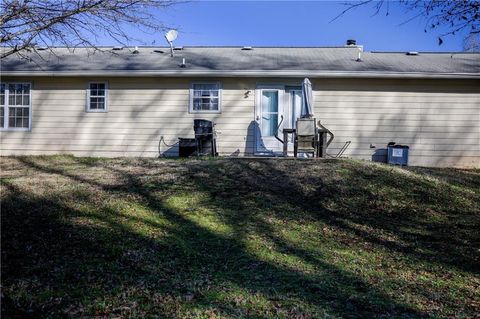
{"x": 297, "y": 23}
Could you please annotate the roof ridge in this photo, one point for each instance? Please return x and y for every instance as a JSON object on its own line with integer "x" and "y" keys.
{"x": 426, "y": 52}
{"x": 257, "y": 47}
{"x": 207, "y": 46}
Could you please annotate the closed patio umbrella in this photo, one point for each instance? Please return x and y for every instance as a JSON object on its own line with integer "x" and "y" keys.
{"x": 307, "y": 99}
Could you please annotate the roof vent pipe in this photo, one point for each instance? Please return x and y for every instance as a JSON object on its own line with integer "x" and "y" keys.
{"x": 351, "y": 42}
{"x": 135, "y": 50}
{"x": 183, "y": 63}
{"x": 359, "y": 56}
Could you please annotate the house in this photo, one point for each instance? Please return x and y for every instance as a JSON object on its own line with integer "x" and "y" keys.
{"x": 138, "y": 102}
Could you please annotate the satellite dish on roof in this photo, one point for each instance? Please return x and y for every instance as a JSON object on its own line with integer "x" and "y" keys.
{"x": 171, "y": 35}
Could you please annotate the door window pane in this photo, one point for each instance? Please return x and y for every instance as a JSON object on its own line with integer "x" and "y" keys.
{"x": 270, "y": 101}
{"x": 269, "y": 124}
{"x": 296, "y": 106}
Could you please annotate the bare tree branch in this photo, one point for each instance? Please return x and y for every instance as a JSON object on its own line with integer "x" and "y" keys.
{"x": 453, "y": 15}
{"x": 74, "y": 22}
{"x": 472, "y": 43}
{"x": 351, "y": 7}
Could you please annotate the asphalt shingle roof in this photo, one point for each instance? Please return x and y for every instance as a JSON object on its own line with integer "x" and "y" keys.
{"x": 234, "y": 60}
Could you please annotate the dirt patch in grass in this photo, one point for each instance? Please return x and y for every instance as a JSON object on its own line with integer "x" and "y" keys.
{"x": 262, "y": 238}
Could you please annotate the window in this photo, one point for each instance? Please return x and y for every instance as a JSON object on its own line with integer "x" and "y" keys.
{"x": 205, "y": 98}
{"x": 97, "y": 97}
{"x": 15, "y": 106}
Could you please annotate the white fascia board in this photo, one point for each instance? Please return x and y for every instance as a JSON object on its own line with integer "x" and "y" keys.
{"x": 246, "y": 73}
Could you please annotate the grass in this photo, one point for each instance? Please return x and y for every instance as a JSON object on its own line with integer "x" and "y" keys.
{"x": 237, "y": 238}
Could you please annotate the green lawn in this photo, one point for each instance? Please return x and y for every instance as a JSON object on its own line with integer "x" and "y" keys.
{"x": 237, "y": 238}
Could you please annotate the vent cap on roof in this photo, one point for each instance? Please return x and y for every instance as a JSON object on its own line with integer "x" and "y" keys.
{"x": 178, "y": 48}
{"x": 117, "y": 48}
{"x": 41, "y": 48}
{"x": 351, "y": 42}
{"x": 412, "y": 53}
{"x": 247, "y": 48}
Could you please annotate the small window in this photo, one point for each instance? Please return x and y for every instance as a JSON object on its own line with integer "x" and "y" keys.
{"x": 205, "y": 98}
{"x": 15, "y": 106}
{"x": 97, "y": 97}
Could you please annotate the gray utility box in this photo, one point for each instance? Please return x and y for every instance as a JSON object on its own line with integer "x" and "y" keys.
{"x": 397, "y": 154}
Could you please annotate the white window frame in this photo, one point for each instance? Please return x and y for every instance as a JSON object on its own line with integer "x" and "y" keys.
{"x": 4, "y": 126}
{"x": 87, "y": 107}
{"x": 190, "y": 107}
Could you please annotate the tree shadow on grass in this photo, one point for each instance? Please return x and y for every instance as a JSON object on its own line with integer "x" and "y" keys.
{"x": 91, "y": 251}
{"x": 451, "y": 240}
{"x": 420, "y": 221}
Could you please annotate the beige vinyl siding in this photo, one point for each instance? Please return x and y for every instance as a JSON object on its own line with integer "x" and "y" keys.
{"x": 140, "y": 112}
{"x": 438, "y": 119}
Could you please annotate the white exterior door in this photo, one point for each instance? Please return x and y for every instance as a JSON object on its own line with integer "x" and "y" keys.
{"x": 270, "y": 109}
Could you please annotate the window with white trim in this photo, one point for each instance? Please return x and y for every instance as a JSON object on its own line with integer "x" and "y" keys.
{"x": 15, "y": 106}
{"x": 205, "y": 97}
{"x": 97, "y": 97}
